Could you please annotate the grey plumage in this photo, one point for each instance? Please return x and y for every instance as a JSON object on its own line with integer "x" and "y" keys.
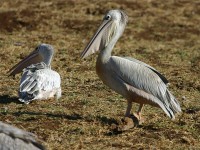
{"x": 12, "y": 138}
{"x": 136, "y": 81}
{"x": 140, "y": 76}
{"x": 150, "y": 67}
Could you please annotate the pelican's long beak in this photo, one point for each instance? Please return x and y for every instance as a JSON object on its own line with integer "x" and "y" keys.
{"x": 32, "y": 58}
{"x": 99, "y": 40}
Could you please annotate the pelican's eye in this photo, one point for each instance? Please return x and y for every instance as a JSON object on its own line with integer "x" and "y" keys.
{"x": 108, "y": 17}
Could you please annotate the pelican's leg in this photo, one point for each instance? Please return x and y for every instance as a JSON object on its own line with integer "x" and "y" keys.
{"x": 58, "y": 94}
{"x": 131, "y": 121}
{"x": 138, "y": 115}
{"x": 128, "y": 109}
{"x": 127, "y": 121}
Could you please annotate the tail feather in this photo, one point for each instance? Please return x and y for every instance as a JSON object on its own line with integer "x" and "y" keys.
{"x": 25, "y": 97}
{"x": 167, "y": 110}
{"x": 173, "y": 103}
{"x": 170, "y": 105}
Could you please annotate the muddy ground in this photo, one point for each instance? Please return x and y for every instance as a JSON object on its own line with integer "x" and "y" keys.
{"x": 164, "y": 34}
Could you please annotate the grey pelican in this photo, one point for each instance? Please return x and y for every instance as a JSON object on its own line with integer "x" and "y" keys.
{"x": 133, "y": 79}
{"x": 13, "y": 138}
{"x": 38, "y": 80}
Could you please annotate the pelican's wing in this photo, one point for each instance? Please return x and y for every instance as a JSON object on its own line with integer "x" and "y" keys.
{"x": 150, "y": 67}
{"x": 34, "y": 81}
{"x": 143, "y": 77}
{"x": 14, "y": 138}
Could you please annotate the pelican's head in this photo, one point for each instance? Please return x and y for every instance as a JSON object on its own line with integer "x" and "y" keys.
{"x": 42, "y": 53}
{"x": 109, "y": 31}
{"x": 46, "y": 51}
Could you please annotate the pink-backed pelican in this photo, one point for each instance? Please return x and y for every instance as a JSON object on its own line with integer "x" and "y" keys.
{"x": 38, "y": 80}
{"x": 133, "y": 79}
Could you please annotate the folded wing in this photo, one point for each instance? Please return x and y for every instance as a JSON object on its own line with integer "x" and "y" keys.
{"x": 36, "y": 79}
{"x": 144, "y": 77}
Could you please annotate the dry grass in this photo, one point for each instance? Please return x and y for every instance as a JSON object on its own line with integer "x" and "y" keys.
{"x": 164, "y": 34}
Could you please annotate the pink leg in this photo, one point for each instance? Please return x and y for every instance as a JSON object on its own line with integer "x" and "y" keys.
{"x": 139, "y": 112}
{"x": 128, "y": 109}
{"x": 130, "y": 121}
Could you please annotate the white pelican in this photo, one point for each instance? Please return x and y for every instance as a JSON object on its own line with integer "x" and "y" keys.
{"x": 38, "y": 80}
{"x": 12, "y": 138}
{"x": 133, "y": 79}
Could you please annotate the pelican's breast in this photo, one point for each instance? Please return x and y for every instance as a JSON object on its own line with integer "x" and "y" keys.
{"x": 110, "y": 78}
{"x": 102, "y": 70}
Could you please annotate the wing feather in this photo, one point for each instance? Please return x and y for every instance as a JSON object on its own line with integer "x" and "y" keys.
{"x": 43, "y": 79}
{"x": 139, "y": 76}
{"x": 150, "y": 67}
{"x": 142, "y": 76}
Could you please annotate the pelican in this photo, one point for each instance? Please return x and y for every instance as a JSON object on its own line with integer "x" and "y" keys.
{"x": 38, "y": 80}
{"x": 136, "y": 81}
{"x": 13, "y": 138}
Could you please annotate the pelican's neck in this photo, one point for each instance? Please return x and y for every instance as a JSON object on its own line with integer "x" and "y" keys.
{"x": 47, "y": 59}
{"x": 105, "y": 54}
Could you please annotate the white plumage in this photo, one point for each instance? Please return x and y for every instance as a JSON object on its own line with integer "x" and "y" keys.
{"x": 39, "y": 83}
{"x": 38, "y": 80}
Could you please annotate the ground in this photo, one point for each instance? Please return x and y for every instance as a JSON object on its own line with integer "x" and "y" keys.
{"x": 164, "y": 34}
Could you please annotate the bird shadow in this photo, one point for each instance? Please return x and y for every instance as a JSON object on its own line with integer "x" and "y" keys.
{"x": 64, "y": 116}
{"x": 6, "y": 99}
{"x": 150, "y": 128}
{"x": 107, "y": 121}
{"x": 117, "y": 126}
{"x": 112, "y": 125}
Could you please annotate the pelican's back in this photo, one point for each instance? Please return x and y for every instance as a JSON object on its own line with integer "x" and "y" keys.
{"x": 39, "y": 82}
